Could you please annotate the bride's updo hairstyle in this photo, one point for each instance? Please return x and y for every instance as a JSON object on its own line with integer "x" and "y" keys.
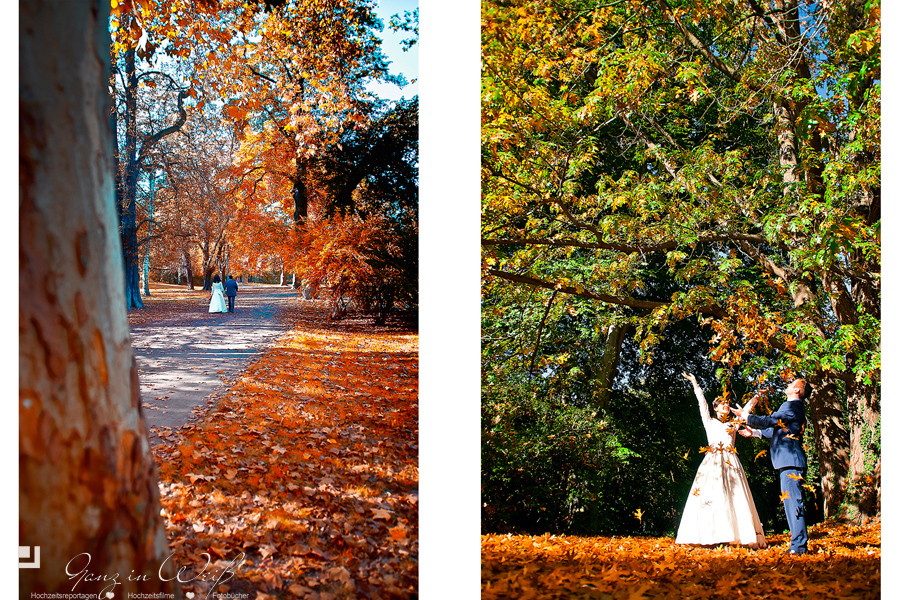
{"x": 718, "y": 402}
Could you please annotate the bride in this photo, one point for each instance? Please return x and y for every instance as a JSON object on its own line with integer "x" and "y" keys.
{"x": 217, "y": 302}
{"x": 719, "y": 508}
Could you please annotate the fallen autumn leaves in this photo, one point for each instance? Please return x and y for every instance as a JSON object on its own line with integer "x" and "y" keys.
{"x": 307, "y": 468}
{"x": 844, "y": 562}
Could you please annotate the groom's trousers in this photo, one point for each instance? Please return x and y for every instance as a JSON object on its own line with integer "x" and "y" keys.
{"x": 791, "y": 481}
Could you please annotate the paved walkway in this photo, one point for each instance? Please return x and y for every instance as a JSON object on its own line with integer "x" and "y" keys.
{"x": 186, "y": 363}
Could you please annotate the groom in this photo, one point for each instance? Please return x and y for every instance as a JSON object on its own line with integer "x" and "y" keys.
{"x": 231, "y": 288}
{"x": 785, "y": 428}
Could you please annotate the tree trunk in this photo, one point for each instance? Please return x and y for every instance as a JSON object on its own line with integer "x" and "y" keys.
{"x": 300, "y": 194}
{"x": 128, "y": 210}
{"x": 149, "y": 240}
{"x": 189, "y": 273}
{"x": 865, "y": 415}
{"x": 615, "y": 337}
{"x": 88, "y": 486}
{"x": 832, "y": 441}
{"x": 207, "y": 278}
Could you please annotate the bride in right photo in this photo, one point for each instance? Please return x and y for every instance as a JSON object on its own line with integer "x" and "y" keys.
{"x": 720, "y": 508}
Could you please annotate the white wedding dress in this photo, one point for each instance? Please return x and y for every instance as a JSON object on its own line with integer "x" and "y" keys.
{"x": 217, "y": 303}
{"x": 719, "y": 508}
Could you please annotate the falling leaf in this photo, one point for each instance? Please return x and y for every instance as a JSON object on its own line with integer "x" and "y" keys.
{"x": 639, "y": 513}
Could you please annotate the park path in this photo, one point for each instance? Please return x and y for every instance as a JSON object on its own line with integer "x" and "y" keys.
{"x": 189, "y": 358}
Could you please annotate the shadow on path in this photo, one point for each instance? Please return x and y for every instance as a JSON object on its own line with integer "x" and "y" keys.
{"x": 185, "y": 361}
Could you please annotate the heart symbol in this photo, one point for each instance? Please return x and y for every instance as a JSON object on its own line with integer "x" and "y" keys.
{"x": 109, "y": 594}
{"x": 189, "y": 595}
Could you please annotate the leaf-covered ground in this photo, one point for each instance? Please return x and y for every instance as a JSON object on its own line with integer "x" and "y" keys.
{"x": 844, "y": 562}
{"x": 302, "y": 480}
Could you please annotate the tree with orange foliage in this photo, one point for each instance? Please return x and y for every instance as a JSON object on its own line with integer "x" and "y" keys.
{"x": 200, "y": 186}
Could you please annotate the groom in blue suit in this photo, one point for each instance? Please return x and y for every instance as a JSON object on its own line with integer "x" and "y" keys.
{"x": 784, "y": 428}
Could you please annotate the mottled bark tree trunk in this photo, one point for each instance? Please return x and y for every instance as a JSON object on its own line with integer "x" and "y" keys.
{"x": 827, "y": 415}
{"x": 88, "y": 483}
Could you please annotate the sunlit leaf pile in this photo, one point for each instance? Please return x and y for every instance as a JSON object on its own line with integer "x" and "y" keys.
{"x": 844, "y": 562}
{"x": 306, "y": 470}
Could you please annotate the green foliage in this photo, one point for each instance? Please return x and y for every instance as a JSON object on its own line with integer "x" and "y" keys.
{"x": 679, "y": 160}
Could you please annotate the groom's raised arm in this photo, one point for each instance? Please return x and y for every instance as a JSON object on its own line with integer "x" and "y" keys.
{"x": 766, "y": 421}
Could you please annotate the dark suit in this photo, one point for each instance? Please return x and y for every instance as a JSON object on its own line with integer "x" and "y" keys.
{"x": 231, "y": 288}
{"x": 784, "y": 428}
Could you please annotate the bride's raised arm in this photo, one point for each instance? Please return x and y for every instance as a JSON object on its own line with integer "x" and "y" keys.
{"x": 704, "y": 407}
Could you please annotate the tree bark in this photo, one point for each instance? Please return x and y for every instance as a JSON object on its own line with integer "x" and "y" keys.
{"x": 88, "y": 485}
{"x": 832, "y": 441}
{"x": 615, "y": 337}
{"x": 189, "y": 272}
{"x": 300, "y": 194}
{"x": 128, "y": 210}
{"x": 149, "y": 241}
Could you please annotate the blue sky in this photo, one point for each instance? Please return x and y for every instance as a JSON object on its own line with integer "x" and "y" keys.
{"x": 406, "y": 63}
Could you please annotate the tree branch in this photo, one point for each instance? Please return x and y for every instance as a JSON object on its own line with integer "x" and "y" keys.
{"x": 568, "y": 289}
{"x": 697, "y": 44}
{"x": 624, "y": 248}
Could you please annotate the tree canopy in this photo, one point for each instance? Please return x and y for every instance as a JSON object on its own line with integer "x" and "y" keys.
{"x": 717, "y": 164}
{"x": 284, "y": 86}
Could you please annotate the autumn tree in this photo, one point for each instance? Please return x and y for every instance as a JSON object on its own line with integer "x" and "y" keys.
{"x": 304, "y": 116}
{"x": 200, "y": 187}
{"x": 730, "y": 149}
{"x": 87, "y": 479}
{"x": 137, "y": 28}
{"x": 372, "y": 175}
{"x": 293, "y": 76}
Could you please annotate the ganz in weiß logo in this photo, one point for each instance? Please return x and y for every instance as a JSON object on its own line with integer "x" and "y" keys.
{"x": 25, "y": 552}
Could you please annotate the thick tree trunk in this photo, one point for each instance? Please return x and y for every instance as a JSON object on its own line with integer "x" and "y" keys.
{"x": 865, "y": 415}
{"x": 606, "y": 370}
{"x": 207, "y": 278}
{"x": 826, "y": 415}
{"x": 88, "y": 486}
